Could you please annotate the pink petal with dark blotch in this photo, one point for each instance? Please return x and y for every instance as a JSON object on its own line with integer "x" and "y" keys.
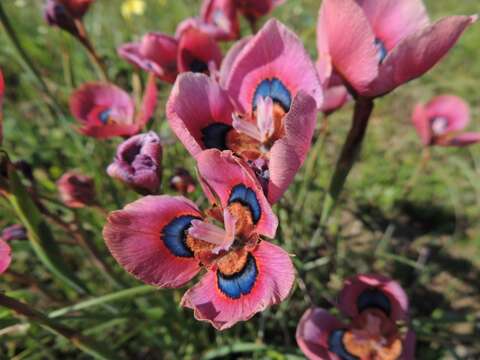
{"x": 195, "y": 47}
{"x": 272, "y": 286}
{"x": 313, "y": 333}
{"x": 222, "y": 17}
{"x": 393, "y": 20}
{"x": 5, "y": 256}
{"x": 465, "y": 139}
{"x": 156, "y": 52}
{"x": 221, "y": 171}
{"x": 355, "y": 286}
{"x": 230, "y": 58}
{"x": 149, "y": 102}
{"x": 344, "y": 33}
{"x": 421, "y": 122}
{"x": 274, "y": 52}
{"x": 418, "y": 53}
{"x": 135, "y": 238}
{"x": 288, "y": 154}
{"x": 196, "y": 102}
{"x": 454, "y": 109}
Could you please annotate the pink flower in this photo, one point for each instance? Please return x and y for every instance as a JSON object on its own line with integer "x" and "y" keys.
{"x": 156, "y": 53}
{"x": 104, "y": 110}
{"x": 374, "y": 304}
{"x": 442, "y": 120}
{"x": 165, "y": 241}
{"x": 182, "y": 181}
{"x": 254, "y": 9}
{"x": 219, "y": 18}
{"x": 276, "y": 94}
{"x": 376, "y": 46}
{"x": 64, "y": 13}
{"x": 13, "y": 232}
{"x": 138, "y": 163}
{"x": 76, "y": 190}
{"x": 77, "y": 8}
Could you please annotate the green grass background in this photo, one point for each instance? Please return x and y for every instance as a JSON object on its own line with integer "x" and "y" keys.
{"x": 428, "y": 239}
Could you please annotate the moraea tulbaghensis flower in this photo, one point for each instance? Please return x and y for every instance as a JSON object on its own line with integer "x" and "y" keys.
{"x": 254, "y": 9}
{"x": 14, "y": 232}
{"x": 64, "y": 13}
{"x": 138, "y": 163}
{"x": 156, "y": 53}
{"x": 374, "y": 305}
{"x": 182, "y": 182}
{"x": 76, "y": 190}
{"x": 104, "y": 110}
{"x": 276, "y": 94}
{"x": 165, "y": 241}
{"x": 219, "y": 19}
{"x": 442, "y": 120}
{"x": 376, "y": 46}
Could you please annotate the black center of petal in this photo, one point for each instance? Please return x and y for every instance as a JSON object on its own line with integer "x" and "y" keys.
{"x": 336, "y": 346}
{"x": 198, "y": 66}
{"x": 240, "y": 283}
{"x": 246, "y": 197}
{"x": 214, "y": 136}
{"x": 373, "y": 298}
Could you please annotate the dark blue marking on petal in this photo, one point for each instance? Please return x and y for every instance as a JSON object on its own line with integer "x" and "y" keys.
{"x": 104, "y": 116}
{"x": 381, "y": 49}
{"x": 214, "y": 136}
{"x": 274, "y": 89}
{"x": 373, "y": 298}
{"x": 247, "y": 197}
{"x": 240, "y": 283}
{"x": 198, "y": 66}
{"x": 174, "y": 235}
{"x": 336, "y": 346}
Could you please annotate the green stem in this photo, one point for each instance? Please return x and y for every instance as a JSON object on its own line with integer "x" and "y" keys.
{"x": 81, "y": 342}
{"x": 350, "y": 151}
{"x": 116, "y": 296}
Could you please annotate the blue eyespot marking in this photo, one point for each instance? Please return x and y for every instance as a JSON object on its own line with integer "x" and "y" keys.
{"x": 381, "y": 49}
{"x": 240, "y": 283}
{"x": 335, "y": 345}
{"x": 105, "y": 115}
{"x": 373, "y": 298}
{"x": 274, "y": 89}
{"x": 198, "y": 66}
{"x": 174, "y": 235}
{"x": 214, "y": 136}
{"x": 247, "y": 197}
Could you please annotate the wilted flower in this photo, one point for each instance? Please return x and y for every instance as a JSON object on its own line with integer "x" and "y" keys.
{"x": 138, "y": 163}
{"x": 219, "y": 19}
{"x": 156, "y": 53}
{"x": 376, "y": 46}
{"x": 165, "y": 241}
{"x": 442, "y": 120}
{"x": 276, "y": 93}
{"x": 374, "y": 304}
{"x": 182, "y": 182}
{"x": 104, "y": 110}
{"x": 76, "y": 190}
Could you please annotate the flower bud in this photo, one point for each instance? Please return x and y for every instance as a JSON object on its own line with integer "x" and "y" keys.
{"x": 76, "y": 190}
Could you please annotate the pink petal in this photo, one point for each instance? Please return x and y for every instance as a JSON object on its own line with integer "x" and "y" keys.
{"x": 409, "y": 346}
{"x": 137, "y": 238}
{"x": 393, "y": 20}
{"x": 230, "y": 59}
{"x": 452, "y": 108}
{"x": 197, "y": 47}
{"x": 288, "y": 154}
{"x": 275, "y": 52}
{"x": 196, "y": 102}
{"x": 222, "y": 16}
{"x": 313, "y": 333}
{"x": 346, "y": 36}
{"x": 149, "y": 103}
{"x": 272, "y": 284}
{"x": 355, "y": 286}
{"x": 5, "y": 256}
{"x": 465, "y": 139}
{"x": 418, "y": 53}
{"x": 156, "y": 53}
{"x": 421, "y": 121}
{"x": 335, "y": 97}
{"x": 222, "y": 172}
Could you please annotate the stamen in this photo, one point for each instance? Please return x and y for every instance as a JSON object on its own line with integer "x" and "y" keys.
{"x": 246, "y": 127}
{"x": 265, "y": 118}
{"x": 439, "y": 125}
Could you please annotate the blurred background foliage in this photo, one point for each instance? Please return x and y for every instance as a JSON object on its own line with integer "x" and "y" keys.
{"x": 422, "y": 230}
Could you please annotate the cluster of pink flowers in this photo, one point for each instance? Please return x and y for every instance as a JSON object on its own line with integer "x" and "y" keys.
{"x": 248, "y": 118}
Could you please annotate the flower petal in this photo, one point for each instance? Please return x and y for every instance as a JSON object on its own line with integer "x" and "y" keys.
{"x": 409, "y": 346}
{"x": 350, "y": 42}
{"x": 465, "y": 139}
{"x": 364, "y": 291}
{"x": 199, "y": 112}
{"x": 5, "y": 256}
{"x": 233, "y": 181}
{"x": 418, "y": 53}
{"x": 265, "y": 280}
{"x": 421, "y": 122}
{"x": 274, "y": 53}
{"x": 313, "y": 332}
{"x": 221, "y": 15}
{"x": 452, "y": 108}
{"x": 230, "y": 59}
{"x": 393, "y": 20}
{"x": 149, "y": 102}
{"x": 147, "y": 238}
